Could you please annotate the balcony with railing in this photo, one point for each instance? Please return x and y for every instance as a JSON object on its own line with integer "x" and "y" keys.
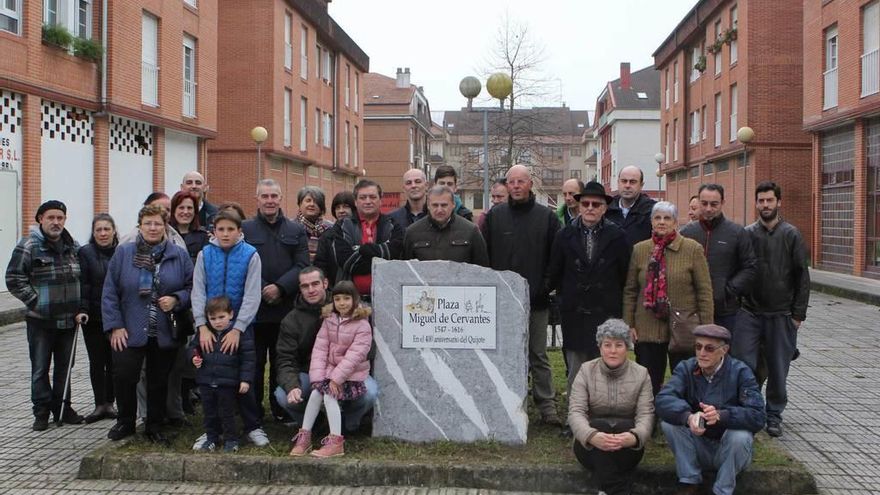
{"x": 149, "y": 84}
{"x": 830, "y": 100}
{"x": 871, "y": 72}
{"x": 189, "y": 98}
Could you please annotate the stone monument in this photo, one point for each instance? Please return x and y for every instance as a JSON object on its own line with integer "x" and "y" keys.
{"x": 452, "y": 341}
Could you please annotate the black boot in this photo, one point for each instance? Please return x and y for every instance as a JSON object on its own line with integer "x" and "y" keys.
{"x": 96, "y": 415}
{"x": 41, "y": 422}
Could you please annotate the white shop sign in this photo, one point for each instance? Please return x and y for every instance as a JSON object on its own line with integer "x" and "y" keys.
{"x": 448, "y": 317}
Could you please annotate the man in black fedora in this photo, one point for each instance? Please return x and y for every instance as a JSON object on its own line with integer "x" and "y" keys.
{"x": 588, "y": 268}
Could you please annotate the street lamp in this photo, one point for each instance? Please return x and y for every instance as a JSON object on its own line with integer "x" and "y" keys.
{"x": 259, "y": 134}
{"x": 745, "y": 135}
{"x": 660, "y": 158}
{"x": 499, "y": 86}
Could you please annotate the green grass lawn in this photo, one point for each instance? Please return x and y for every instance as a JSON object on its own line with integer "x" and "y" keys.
{"x": 545, "y": 444}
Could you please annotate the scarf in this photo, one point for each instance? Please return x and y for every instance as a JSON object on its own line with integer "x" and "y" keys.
{"x": 146, "y": 257}
{"x": 656, "y": 290}
{"x": 313, "y": 229}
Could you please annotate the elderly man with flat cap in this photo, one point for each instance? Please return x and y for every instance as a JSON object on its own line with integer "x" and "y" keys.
{"x": 711, "y": 409}
{"x": 44, "y": 273}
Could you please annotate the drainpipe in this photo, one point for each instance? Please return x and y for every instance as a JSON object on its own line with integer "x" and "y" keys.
{"x": 104, "y": 44}
{"x": 336, "y": 122}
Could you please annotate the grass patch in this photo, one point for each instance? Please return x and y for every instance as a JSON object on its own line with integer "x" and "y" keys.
{"x": 545, "y": 444}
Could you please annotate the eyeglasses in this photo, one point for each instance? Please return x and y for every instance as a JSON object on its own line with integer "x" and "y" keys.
{"x": 592, "y": 204}
{"x": 708, "y": 347}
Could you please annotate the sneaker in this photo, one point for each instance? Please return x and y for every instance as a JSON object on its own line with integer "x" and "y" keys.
{"x": 302, "y": 443}
{"x": 199, "y": 441}
{"x": 120, "y": 431}
{"x": 230, "y": 447}
{"x": 258, "y": 437}
{"x": 331, "y": 446}
{"x": 774, "y": 429}
{"x": 205, "y": 445}
{"x": 41, "y": 422}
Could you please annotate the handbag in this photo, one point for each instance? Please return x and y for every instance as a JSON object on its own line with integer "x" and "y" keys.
{"x": 681, "y": 330}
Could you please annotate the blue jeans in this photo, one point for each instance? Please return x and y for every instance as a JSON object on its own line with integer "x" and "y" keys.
{"x": 352, "y": 410}
{"x": 49, "y": 346}
{"x": 729, "y": 456}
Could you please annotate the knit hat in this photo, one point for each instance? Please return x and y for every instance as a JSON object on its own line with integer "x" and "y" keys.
{"x": 52, "y": 204}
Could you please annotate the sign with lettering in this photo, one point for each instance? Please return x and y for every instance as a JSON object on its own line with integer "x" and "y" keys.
{"x": 10, "y": 150}
{"x": 448, "y": 317}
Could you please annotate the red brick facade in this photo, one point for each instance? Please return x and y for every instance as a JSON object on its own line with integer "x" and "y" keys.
{"x": 254, "y": 75}
{"x": 768, "y": 78}
{"x": 844, "y": 128}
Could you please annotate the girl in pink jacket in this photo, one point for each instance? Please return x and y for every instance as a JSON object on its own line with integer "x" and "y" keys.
{"x": 338, "y": 368}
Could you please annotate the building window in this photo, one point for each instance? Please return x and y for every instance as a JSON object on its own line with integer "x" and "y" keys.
{"x": 10, "y": 16}
{"x": 575, "y": 174}
{"x": 556, "y": 153}
{"x": 357, "y": 146}
{"x": 74, "y": 15}
{"x": 872, "y": 232}
{"x": 716, "y": 57}
{"x": 478, "y": 200}
{"x": 696, "y": 59}
{"x": 871, "y": 49}
{"x": 666, "y": 91}
{"x": 288, "y": 41}
{"x": 837, "y": 207}
{"x": 288, "y": 98}
{"x": 733, "y": 43}
{"x": 708, "y": 168}
{"x": 318, "y": 62}
{"x": 675, "y": 82}
{"x": 327, "y": 60}
{"x": 304, "y": 53}
{"x": 326, "y": 129}
{"x": 189, "y": 76}
{"x": 191, "y": 3}
{"x": 150, "y": 60}
{"x": 346, "y": 145}
{"x": 717, "y": 119}
{"x": 703, "y": 124}
{"x": 721, "y": 167}
{"x": 675, "y": 140}
{"x": 303, "y": 123}
{"x": 696, "y": 120}
{"x": 831, "y": 40}
{"x": 666, "y": 142}
{"x": 733, "y": 106}
{"x": 347, "y": 85}
{"x": 357, "y": 91}
{"x": 577, "y": 151}
{"x": 317, "y": 126}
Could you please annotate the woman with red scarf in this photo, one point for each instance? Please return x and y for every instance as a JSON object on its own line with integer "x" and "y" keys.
{"x": 665, "y": 271}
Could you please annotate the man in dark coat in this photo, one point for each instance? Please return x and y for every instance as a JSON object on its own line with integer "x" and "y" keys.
{"x": 519, "y": 235}
{"x": 588, "y": 268}
{"x": 367, "y": 234}
{"x": 631, "y": 209}
{"x": 283, "y": 247}
{"x": 728, "y": 250}
{"x": 444, "y": 235}
{"x": 415, "y": 184}
{"x": 295, "y": 341}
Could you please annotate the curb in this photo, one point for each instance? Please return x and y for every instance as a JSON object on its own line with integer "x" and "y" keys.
{"x": 846, "y": 293}
{"x": 10, "y": 316}
{"x": 106, "y": 463}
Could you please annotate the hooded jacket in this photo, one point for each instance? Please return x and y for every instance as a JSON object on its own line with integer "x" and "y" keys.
{"x": 221, "y": 369}
{"x": 341, "y": 347}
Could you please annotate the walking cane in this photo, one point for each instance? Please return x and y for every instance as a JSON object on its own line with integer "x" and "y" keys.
{"x": 69, "y": 367}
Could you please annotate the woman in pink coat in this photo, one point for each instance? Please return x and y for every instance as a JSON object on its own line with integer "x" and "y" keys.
{"x": 338, "y": 368}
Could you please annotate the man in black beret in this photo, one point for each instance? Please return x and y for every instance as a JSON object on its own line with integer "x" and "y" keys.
{"x": 711, "y": 409}
{"x": 44, "y": 274}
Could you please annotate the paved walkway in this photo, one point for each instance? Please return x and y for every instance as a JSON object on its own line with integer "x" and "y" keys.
{"x": 832, "y": 423}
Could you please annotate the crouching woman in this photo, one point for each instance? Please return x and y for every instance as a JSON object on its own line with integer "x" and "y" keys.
{"x": 611, "y": 410}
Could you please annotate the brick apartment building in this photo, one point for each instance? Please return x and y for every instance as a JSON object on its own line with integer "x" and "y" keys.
{"x": 101, "y": 133}
{"x": 729, "y": 65}
{"x": 841, "y": 112}
{"x": 627, "y": 127}
{"x": 286, "y": 65}
{"x": 549, "y": 139}
{"x": 397, "y": 132}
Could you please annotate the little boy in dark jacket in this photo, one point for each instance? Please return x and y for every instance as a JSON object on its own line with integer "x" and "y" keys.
{"x": 220, "y": 376}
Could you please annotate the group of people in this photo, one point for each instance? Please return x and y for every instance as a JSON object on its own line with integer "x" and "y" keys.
{"x": 293, "y": 294}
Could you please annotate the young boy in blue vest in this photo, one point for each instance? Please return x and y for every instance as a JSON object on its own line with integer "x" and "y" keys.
{"x": 230, "y": 267}
{"x": 220, "y": 376}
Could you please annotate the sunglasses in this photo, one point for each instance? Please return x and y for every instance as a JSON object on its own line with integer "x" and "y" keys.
{"x": 592, "y": 204}
{"x": 708, "y": 347}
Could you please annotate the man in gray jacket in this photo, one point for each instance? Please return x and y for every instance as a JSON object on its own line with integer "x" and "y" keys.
{"x": 442, "y": 236}
{"x": 728, "y": 250}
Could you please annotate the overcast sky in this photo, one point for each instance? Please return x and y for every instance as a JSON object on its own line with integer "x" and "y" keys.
{"x": 443, "y": 41}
